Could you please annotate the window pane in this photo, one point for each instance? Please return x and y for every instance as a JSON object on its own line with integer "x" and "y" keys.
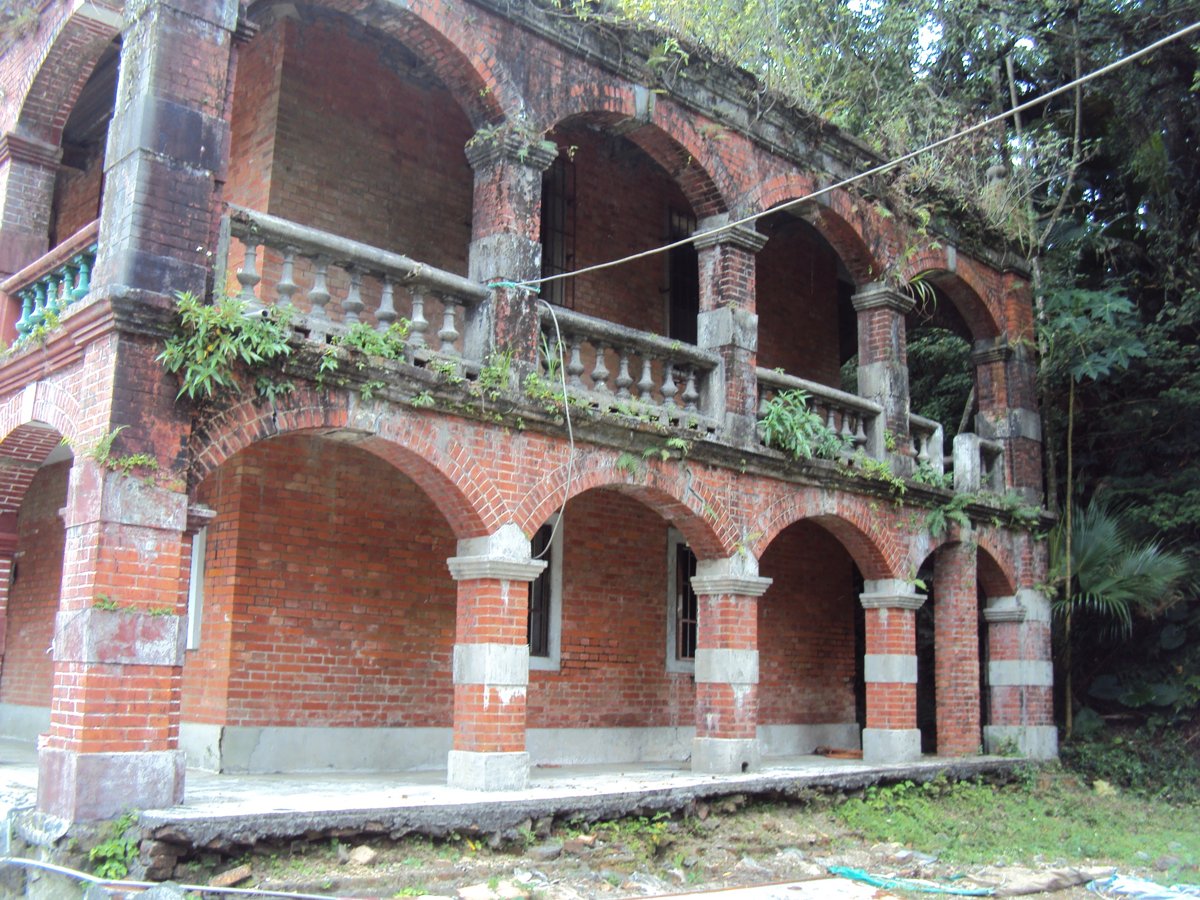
{"x": 686, "y": 608}
{"x": 539, "y": 596}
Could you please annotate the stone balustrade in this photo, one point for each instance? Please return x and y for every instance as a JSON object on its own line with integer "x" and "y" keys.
{"x": 49, "y": 285}
{"x": 623, "y": 370}
{"x": 978, "y": 464}
{"x": 926, "y": 440}
{"x": 855, "y": 419}
{"x": 333, "y": 282}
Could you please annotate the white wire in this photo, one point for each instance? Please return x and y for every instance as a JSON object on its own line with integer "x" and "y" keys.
{"x": 882, "y": 167}
{"x": 562, "y": 374}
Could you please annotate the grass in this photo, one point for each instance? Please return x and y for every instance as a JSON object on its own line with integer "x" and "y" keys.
{"x": 1050, "y": 817}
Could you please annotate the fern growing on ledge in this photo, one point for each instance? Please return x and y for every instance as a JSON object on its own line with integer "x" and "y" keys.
{"x": 790, "y": 425}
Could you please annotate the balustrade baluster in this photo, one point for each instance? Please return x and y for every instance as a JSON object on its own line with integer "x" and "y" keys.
{"x": 830, "y": 420}
{"x": 24, "y": 324}
{"x": 39, "y": 305}
{"x": 387, "y": 305}
{"x": 645, "y": 384}
{"x": 353, "y": 304}
{"x": 668, "y": 386}
{"x": 923, "y": 448}
{"x": 83, "y": 282}
{"x": 247, "y": 275}
{"x": 67, "y": 296}
{"x": 318, "y": 295}
{"x": 847, "y": 431}
{"x": 449, "y": 332}
{"x": 419, "y": 324}
{"x": 860, "y": 430}
{"x": 690, "y": 395}
{"x": 764, "y": 401}
{"x": 286, "y": 287}
{"x": 600, "y": 371}
{"x": 624, "y": 379}
{"x": 575, "y": 366}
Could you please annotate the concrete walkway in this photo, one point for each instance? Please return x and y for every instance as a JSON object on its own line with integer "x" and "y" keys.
{"x": 224, "y": 811}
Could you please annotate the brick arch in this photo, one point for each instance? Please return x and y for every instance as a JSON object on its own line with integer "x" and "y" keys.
{"x": 670, "y": 140}
{"x": 663, "y": 487}
{"x": 440, "y": 33}
{"x": 861, "y": 238}
{"x": 33, "y": 423}
{"x": 995, "y": 567}
{"x": 55, "y": 79}
{"x": 416, "y": 445}
{"x": 868, "y": 535}
{"x": 963, "y": 290}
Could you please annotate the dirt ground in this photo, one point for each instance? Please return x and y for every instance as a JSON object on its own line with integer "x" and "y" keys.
{"x": 731, "y": 842}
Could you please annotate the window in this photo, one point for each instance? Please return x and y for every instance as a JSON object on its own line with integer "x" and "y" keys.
{"x": 683, "y": 279}
{"x": 682, "y": 608}
{"x": 558, "y": 231}
{"x": 545, "y": 598}
{"x": 195, "y": 610}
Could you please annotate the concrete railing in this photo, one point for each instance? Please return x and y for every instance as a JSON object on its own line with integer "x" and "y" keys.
{"x": 978, "y": 464}
{"x": 45, "y": 288}
{"x": 855, "y": 419}
{"x": 925, "y": 436}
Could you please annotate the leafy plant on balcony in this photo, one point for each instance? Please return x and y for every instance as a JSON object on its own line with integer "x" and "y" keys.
{"x": 212, "y": 340}
{"x": 790, "y": 425}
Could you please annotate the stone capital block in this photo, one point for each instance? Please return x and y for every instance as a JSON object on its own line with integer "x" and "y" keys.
{"x": 881, "y": 296}
{"x": 890, "y": 593}
{"x": 503, "y": 555}
{"x": 743, "y": 237}
{"x": 475, "y": 771}
{"x": 720, "y": 666}
{"x": 87, "y": 787}
{"x": 891, "y": 745}
{"x": 119, "y": 637}
{"x": 725, "y": 756}
{"x": 493, "y": 665}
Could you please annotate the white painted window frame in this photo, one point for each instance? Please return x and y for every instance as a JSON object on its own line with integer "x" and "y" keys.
{"x": 674, "y": 663}
{"x": 552, "y": 662}
{"x": 195, "y": 606}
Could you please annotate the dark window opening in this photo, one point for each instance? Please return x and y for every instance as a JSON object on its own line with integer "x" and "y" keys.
{"x": 686, "y": 608}
{"x": 558, "y": 231}
{"x": 539, "y": 595}
{"x": 683, "y": 280}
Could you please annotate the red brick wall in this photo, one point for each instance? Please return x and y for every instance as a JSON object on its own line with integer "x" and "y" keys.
{"x": 623, "y": 202}
{"x": 334, "y": 578}
{"x": 33, "y": 599}
{"x": 77, "y": 197}
{"x": 614, "y": 624}
{"x": 797, "y": 303}
{"x": 806, "y": 630}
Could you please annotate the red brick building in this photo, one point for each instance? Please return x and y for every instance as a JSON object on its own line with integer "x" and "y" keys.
{"x": 355, "y": 573}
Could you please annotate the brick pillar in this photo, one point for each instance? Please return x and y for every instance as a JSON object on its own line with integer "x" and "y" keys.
{"x": 1005, "y": 384}
{"x": 956, "y": 640}
{"x": 728, "y": 323}
{"x": 166, "y": 147}
{"x": 727, "y": 592}
{"x": 505, "y": 243}
{"x": 27, "y": 170}
{"x": 890, "y": 672}
{"x": 1020, "y": 676}
{"x": 118, "y": 651}
{"x": 883, "y": 367}
{"x": 491, "y": 660}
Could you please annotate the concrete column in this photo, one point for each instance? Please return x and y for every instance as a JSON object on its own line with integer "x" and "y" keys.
{"x": 491, "y": 661}
{"x": 727, "y": 591}
{"x": 728, "y": 322}
{"x": 956, "y": 639}
{"x": 890, "y": 672}
{"x": 1020, "y": 676}
{"x": 1005, "y": 384}
{"x": 505, "y": 245}
{"x": 167, "y": 147}
{"x": 118, "y": 650}
{"x": 883, "y": 366}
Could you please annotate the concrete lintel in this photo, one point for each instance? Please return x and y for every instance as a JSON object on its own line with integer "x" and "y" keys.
{"x": 504, "y": 554}
{"x": 890, "y": 593}
{"x": 1021, "y": 672}
{"x": 119, "y": 637}
{"x": 882, "y": 296}
{"x": 1032, "y": 741}
{"x": 1036, "y": 605}
{"x": 727, "y": 327}
{"x": 725, "y": 756}
{"x": 716, "y": 666}
{"x": 487, "y": 771}
{"x": 891, "y": 745}
{"x": 494, "y": 665}
{"x": 1004, "y": 609}
{"x": 79, "y": 787}
{"x": 889, "y": 668}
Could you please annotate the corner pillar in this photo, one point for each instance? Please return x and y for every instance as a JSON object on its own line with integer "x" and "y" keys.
{"x": 890, "y": 672}
{"x": 956, "y": 639}
{"x": 118, "y": 651}
{"x": 1020, "y": 676}
{"x": 167, "y": 147}
{"x": 1005, "y": 383}
{"x": 727, "y": 592}
{"x": 728, "y": 322}
{"x": 505, "y": 243}
{"x": 491, "y": 661}
{"x": 883, "y": 367}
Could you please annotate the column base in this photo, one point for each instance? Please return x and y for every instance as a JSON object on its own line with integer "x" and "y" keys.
{"x": 86, "y": 787}
{"x": 487, "y": 771}
{"x": 1033, "y": 741}
{"x": 891, "y": 745}
{"x": 725, "y": 756}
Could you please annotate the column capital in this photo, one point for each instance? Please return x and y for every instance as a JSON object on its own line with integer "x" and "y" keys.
{"x": 736, "y": 575}
{"x": 1004, "y": 609}
{"x": 744, "y": 237}
{"x": 490, "y": 146}
{"x": 19, "y": 148}
{"x": 890, "y": 593}
{"x": 882, "y": 296}
{"x": 991, "y": 350}
{"x": 503, "y": 555}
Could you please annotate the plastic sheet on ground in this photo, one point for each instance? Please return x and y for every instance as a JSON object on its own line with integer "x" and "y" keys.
{"x": 908, "y": 884}
{"x": 1142, "y": 889}
{"x": 1015, "y": 881}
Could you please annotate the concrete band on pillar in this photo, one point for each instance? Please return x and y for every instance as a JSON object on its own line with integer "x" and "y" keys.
{"x": 716, "y": 666}
{"x": 1021, "y": 673}
{"x": 493, "y": 665}
{"x": 889, "y": 668}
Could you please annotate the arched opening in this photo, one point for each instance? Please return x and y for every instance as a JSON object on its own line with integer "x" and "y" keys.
{"x": 811, "y": 644}
{"x": 36, "y": 467}
{"x": 941, "y": 376}
{"x": 322, "y": 619}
